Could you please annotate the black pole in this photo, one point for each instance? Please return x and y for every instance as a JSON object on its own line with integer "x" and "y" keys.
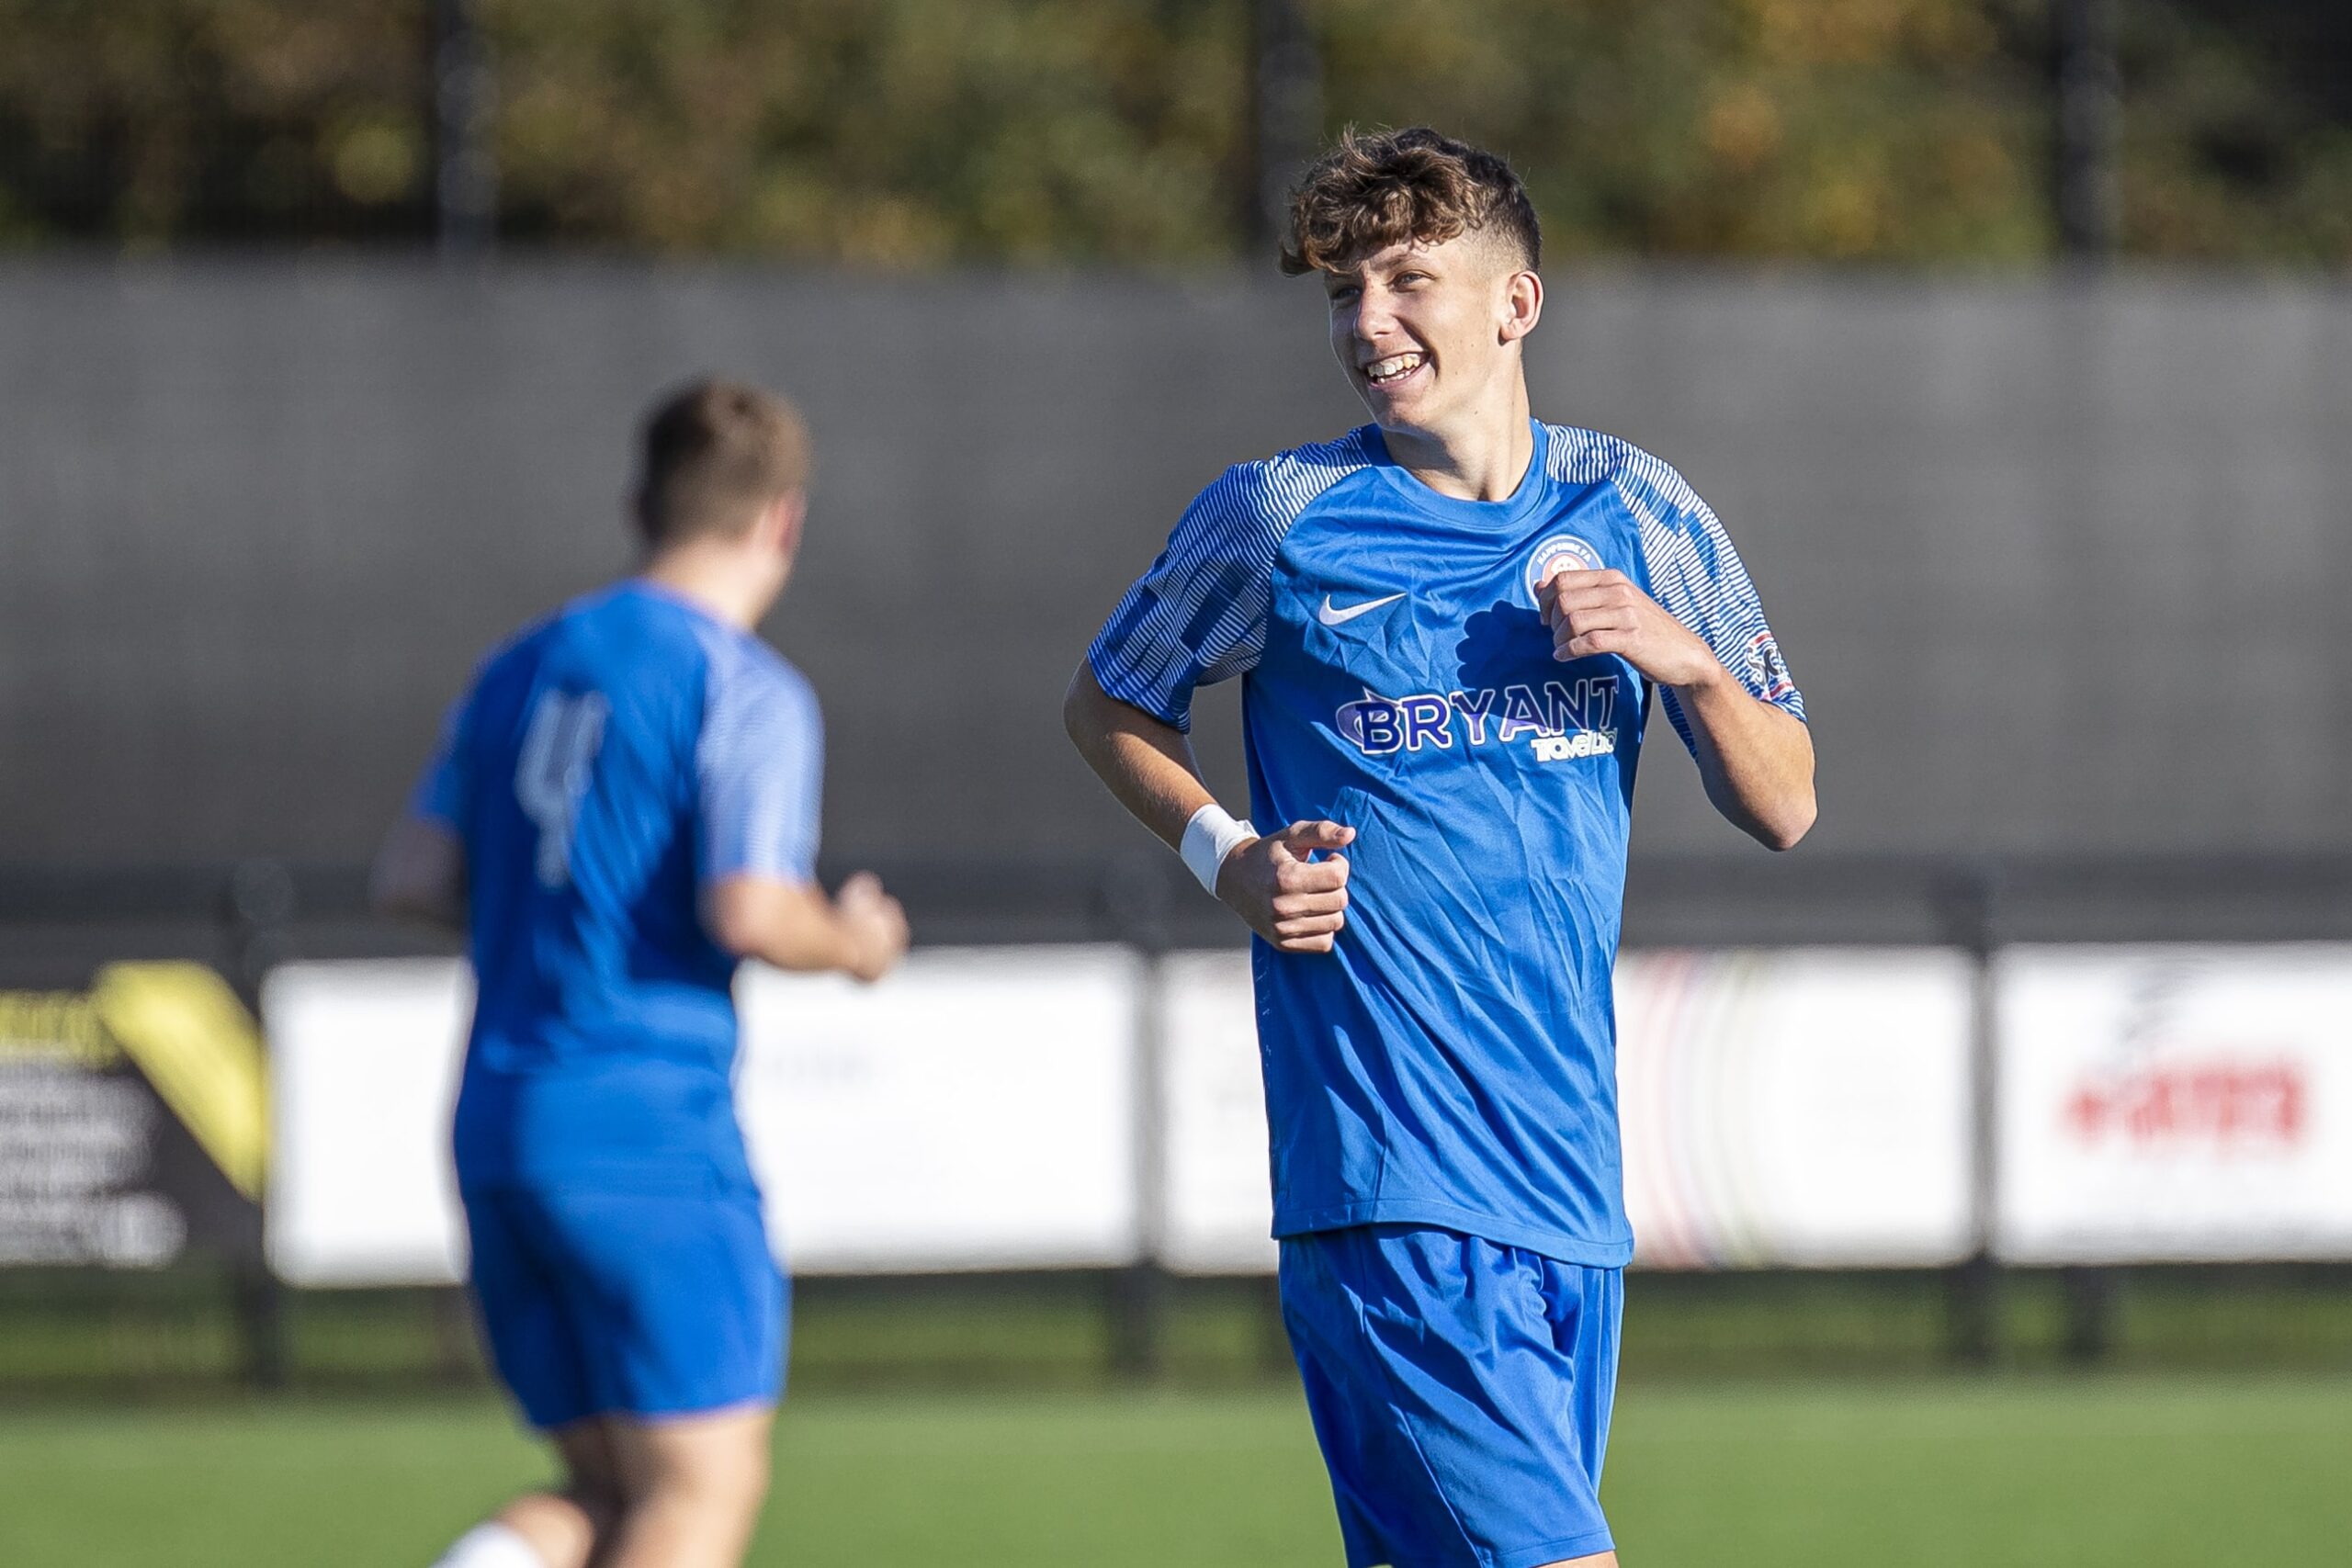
{"x": 1975, "y": 1284}
{"x": 465, "y": 102}
{"x": 1286, "y": 102}
{"x": 1135, "y": 898}
{"x": 259, "y": 901}
{"x": 2090, "y": 1312}
{"x": 2089, "y": 88}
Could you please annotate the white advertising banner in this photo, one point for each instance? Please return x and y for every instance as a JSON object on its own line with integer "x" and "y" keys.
{"x": 2175, "y": 1103}
{"x": 1219, "y": 1206}
{"x": 1803, "y": 1108}
{"x": 975, "y": 1110}
{"x": 364, "y": 1061}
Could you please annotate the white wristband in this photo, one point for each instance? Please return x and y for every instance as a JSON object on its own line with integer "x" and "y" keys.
{"x": 1209, "y": 837}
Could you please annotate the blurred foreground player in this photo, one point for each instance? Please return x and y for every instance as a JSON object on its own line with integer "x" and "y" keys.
{"x": 624, "y": 806}
{"x": 1453, "y": 623}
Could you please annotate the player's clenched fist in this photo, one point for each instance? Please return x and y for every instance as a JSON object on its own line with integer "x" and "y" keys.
{"x": 875, "y": 924}
{"x": 1295, "y": 902}
{"x": 1604, "y": 612}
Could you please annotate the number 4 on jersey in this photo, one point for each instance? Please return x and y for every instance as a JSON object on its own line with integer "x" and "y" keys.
{"x": 551, "y": 773}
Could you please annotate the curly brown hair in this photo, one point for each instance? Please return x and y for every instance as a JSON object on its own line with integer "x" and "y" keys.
{"x": 1379, "y": 189}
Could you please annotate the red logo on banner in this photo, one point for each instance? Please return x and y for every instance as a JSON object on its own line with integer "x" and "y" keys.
{"x": 2230, "y": 1105}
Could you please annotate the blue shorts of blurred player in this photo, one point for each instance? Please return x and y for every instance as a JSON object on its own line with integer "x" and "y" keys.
{"x": 620, "y": 1302}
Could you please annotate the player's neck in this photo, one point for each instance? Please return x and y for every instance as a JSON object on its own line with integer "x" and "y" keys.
{"x": 714, "y": 581}
{"x": 1482, "y": 456}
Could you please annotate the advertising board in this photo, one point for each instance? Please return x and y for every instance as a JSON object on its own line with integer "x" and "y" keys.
{"x": 2175, "y": 1103}
{"x": 1803, "y": 1108}
{"x": 975, "y": 1110}
{"x": 1217, "y": 1204}
{"x": 132, "y": 1127}
{"x": 1795, "y": 1108}
{"x": 364, "y": 1058}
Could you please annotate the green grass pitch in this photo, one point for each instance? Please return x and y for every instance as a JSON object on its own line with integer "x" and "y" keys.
{"x": 2081, "y": 1472}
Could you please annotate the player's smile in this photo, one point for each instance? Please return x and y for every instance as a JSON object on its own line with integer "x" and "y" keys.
{"x": 1391, "y": 373}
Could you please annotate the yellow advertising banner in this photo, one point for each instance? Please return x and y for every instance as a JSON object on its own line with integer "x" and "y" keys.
{"x": 134, "y": 1119}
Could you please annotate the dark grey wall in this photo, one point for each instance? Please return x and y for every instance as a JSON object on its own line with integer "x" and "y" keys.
{"x": 2059, "y": 568}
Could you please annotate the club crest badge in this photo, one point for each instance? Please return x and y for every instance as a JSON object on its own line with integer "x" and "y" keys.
{"x": 1559, "y": 553}
{"x": 1768, "y": 672}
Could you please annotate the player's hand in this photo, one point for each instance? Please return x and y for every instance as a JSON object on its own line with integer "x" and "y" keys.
{"x": 1603, "y": 611}
{"x": 1295, "y": 903}
{"x": 874, "y": 925}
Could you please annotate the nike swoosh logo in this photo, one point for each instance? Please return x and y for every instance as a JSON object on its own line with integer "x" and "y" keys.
{"x": 1331, "y": 617}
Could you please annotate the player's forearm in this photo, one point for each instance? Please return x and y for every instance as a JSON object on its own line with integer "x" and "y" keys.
{"x": 1147, "y": 765}
{"x": 781, "y": 923}
{"x": 820, "y": 945}
{"x": 792, "y": 925}
{"x": 1756, "y": 760}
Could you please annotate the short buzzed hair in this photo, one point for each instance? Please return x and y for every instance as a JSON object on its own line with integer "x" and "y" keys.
{"x": 1381, "y": 189}
{"x": 714, "y": 454}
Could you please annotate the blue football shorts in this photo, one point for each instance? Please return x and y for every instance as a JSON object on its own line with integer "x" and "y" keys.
{"x": 598, "y": 1302}
{"x": 1460, "y": 1391}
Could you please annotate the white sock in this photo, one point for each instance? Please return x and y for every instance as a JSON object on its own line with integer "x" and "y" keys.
{"x": 490, "y": 1545}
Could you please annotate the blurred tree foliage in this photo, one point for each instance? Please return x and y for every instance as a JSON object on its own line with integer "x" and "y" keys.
{"x": 1899, "y": 129}
{"x": 141, "y": 122}
{"x": 922, "y": 132}
{"x": 2235, "y": 152}
{"x": 903, "y": 132}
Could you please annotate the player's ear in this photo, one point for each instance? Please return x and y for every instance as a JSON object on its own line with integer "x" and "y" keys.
{"x": 783, "y": 518}
{"x": 1523, "y": 304}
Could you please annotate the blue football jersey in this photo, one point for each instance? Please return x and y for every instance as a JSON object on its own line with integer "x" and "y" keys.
{"x": 1453, "y": 1061}
{"x": 605, "y": 766}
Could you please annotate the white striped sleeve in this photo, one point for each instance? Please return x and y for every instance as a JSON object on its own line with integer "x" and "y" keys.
{"x": 1198, "y": 617}
{"x": 1696, "y": 574}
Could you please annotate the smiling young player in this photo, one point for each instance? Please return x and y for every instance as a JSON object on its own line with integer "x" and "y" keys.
{"x": 1453, "y": 623}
